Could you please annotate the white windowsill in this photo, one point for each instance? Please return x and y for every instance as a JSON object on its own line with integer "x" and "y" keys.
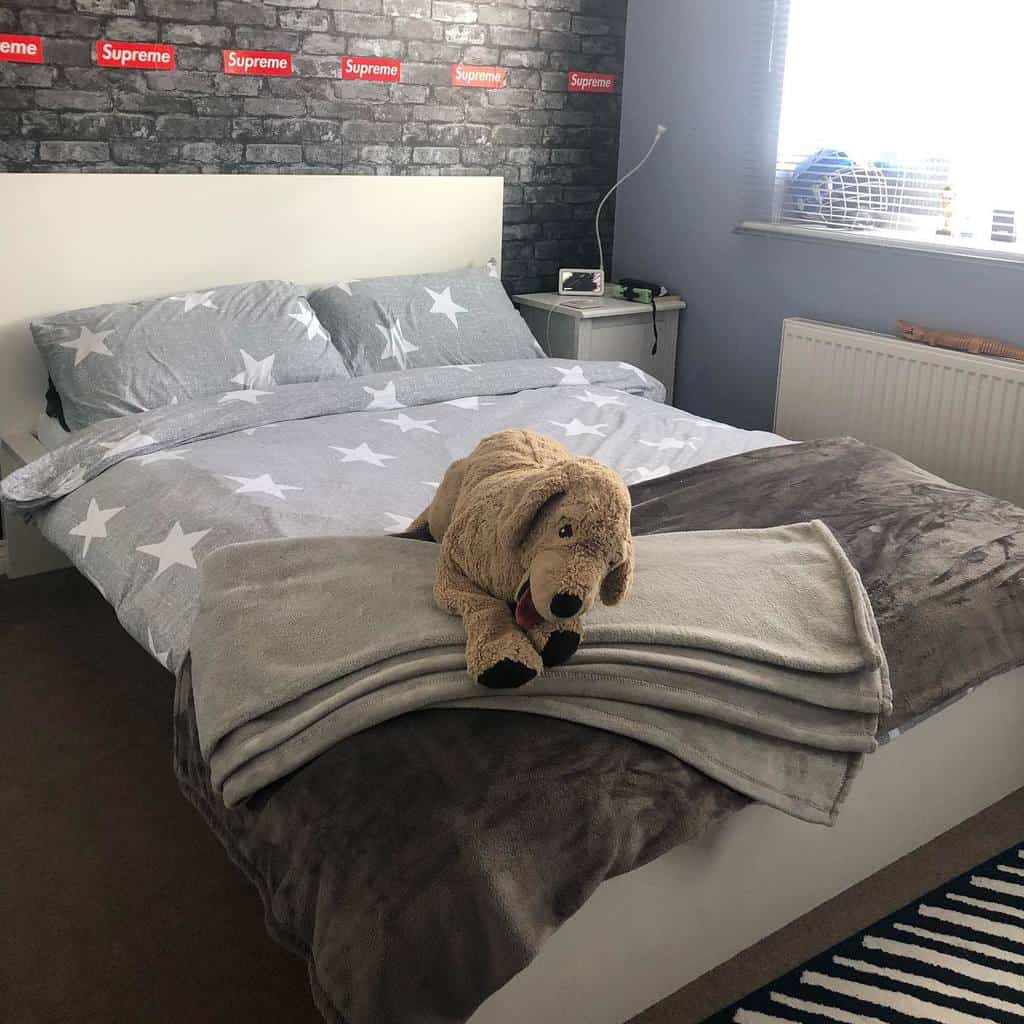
{"x": 881, "y": 240}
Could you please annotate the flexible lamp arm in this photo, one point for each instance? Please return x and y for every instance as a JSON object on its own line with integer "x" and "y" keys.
{"x": 629, "y": 174}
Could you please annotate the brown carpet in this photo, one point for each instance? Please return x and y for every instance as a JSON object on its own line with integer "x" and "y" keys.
{"x": 117, "y": 904}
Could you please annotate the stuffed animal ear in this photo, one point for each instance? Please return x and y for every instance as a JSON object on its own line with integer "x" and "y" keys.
{"x": 615, "y": 586}
{"x": 537, "y": 489}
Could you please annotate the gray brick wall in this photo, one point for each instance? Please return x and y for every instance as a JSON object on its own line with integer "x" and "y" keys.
{"x": 556, "y": 150}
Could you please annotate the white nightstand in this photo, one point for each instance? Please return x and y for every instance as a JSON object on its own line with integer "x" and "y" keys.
{"x": 612, "y": 330}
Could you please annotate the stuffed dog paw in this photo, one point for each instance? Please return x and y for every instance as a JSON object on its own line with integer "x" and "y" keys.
{"x": 531, "y": 536}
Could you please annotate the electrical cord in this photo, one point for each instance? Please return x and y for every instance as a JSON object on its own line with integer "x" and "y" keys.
{"x": 661, "y": 130}
{"x": 547, "y": 326}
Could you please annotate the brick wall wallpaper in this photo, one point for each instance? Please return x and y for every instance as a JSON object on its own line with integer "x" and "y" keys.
{"x": 556, "y": 149}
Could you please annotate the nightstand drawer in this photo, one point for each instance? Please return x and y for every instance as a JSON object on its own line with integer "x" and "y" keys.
{"x": 631, "y": 339}
{"x": 613, "y": 331}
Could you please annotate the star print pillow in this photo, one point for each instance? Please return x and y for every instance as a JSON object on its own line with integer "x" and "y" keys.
{"x": 118, "y": 359}
{"x": 394, "y": 323}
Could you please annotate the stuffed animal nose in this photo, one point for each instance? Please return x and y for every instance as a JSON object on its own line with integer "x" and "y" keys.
{"x": 565, "y": 606}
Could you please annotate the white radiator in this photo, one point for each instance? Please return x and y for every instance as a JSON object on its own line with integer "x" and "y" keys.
{"x": 957, "y": 415}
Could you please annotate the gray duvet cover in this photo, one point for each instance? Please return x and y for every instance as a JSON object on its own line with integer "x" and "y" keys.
{"x": 145, "y": 497}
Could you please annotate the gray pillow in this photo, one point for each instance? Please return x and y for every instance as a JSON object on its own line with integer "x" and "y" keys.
{"x": 388, "y": 323}
{"x": 130, "y": 357}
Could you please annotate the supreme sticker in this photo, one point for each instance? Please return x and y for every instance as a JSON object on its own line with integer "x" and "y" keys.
{"x": 148, "y": 56}
{"x": 478, "y": 76}
{"x": 590, "y": 81}
{"x": 371, "y": 69}
{"x": 22, "y": 49}
{"x": 257, "y": 62}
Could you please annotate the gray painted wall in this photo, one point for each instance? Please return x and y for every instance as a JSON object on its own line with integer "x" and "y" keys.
{"x": 694, "y": 65}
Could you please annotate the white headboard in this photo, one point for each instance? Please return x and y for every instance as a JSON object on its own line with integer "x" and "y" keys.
{"x": 73, "y": 240}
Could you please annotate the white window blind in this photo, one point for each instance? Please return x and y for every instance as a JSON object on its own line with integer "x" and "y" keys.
{"x": 902, "y": 119}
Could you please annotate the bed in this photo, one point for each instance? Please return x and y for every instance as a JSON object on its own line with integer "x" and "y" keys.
{"x": 311, "y": 459}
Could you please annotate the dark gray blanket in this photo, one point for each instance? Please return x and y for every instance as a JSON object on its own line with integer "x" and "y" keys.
{"x": 380, "y": 861}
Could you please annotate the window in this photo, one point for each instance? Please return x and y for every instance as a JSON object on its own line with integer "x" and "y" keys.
{"x": 902, "y": 121}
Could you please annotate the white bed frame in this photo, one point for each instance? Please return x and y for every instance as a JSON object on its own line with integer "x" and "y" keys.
{"x": 73, "y": 240}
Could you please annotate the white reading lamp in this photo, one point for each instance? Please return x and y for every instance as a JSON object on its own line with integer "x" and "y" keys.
{"x": 578, "y": 281}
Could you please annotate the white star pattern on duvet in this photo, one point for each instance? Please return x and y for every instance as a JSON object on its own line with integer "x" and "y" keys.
{"x": 160, "y": 656}
{"x": 395, "y": 342}
{"x": 445, "y": 305}
{"x": 258, "y": 373}
{"x": 308, "y": 319}
{"x": 383, "y": 398}
{"x": 671, "y": 444}
{"x": 250, "y": 395}
{"x": 262, "y": 484}
{"x": 473, "y": 403}
{"x": 646, "y": 473}
{"x": 599, "y": 400}
{"x": 174, "y": 549}
{"x": 136, "y": 439}
{"x": 574, "y": 428}
{"x": 94, "y": 525}
{"x": 171, "y": 455}
{"x": 571, "y": 377}
{"x": 407, "y": 423}
{"x": 195, "y": 300}
{"x": 364, "y": 453}
{"x": 88, "y": 343}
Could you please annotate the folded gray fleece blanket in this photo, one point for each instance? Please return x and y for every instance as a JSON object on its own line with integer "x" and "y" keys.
{"x": 752, "y": 655}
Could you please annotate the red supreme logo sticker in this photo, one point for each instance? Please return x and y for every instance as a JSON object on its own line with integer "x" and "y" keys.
{"x": 590, "y": 81}
{"x": 371, "y": 69}
{"x": 23, "y": 49}
{"x": 257, "y": 62}
{"x": 149, "y": 56}
{"x": 478, "y": 76}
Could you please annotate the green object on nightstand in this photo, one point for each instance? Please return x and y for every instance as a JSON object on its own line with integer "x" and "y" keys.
{"x": 629, "y": 294}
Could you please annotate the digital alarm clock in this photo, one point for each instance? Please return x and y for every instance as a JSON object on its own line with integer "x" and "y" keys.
{"x": 577, "y": 281}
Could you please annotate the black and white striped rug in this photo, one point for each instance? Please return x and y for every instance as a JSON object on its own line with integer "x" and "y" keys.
{"x": 956, "y": 957}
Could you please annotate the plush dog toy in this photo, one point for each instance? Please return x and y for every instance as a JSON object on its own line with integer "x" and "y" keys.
{"x": 530, "y": 536}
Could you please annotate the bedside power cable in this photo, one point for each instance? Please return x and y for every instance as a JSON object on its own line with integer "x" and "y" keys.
{"x": 547, "y": 325}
